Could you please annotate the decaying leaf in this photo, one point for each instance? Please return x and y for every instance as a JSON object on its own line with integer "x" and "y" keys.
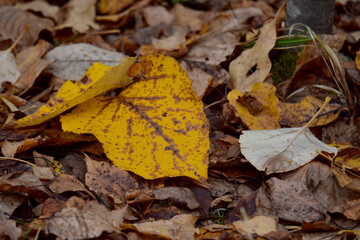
{"x": 260, "y": 225}
{"x": 31, "y": 64}
{"x": 155, "y": 127}
{"x": 273, "y": 151}
{"x": 178, "y": 227}
{"x": 70, "y": 62}
{"x": 298, "y": 114}
{"x": 72, "y": 223}
{"x": 44, "y": 7}
{"x": 257, "y": 108}
{"x": 8, "y": 228}
{"x": 292, "y": 201}
{"x": 13, "y": 21}
{"x": 253, "y": 65}
{"x": 9, "y": 71}
{"x": 180, "y": 195}
{"x": 98, "y": 79}
{"x": 79, "y": 15}
{"x": 113, "y": 6}
{"x": 101, "y": 178}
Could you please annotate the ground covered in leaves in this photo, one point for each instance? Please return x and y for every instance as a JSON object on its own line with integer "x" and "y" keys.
{"x": 159, "y": 119}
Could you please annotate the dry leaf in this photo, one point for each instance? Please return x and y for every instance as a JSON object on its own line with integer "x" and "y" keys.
{"x": 257, "y": 108}
{"x": 72, "y": 223}
{"x": 352, "y": 210}
{"x": 270, "y": 150}
{"x": 178, "y": 227}
{"x": 298, "y": 114}
{"x": 178, "y": 194}
{"x": 357, "y": 60}
{"x": 98, "y": 79}
{"x": 113, "y": 6}
{"x": 70, "y": 62}
{"x": 155, "y": 15}
{"x": 261, "y": 225}
{"x": 13, "y": 21}
{"x": 155, "y": 127}
{"x": 253, "y": 65}
{"x": 9, "y": 148}
{"x": 103, "y": 178}
{"x": 292, "y": 201}
{"x": 325, "y": 185}
{"x": 30, "y": 64}
{"x": 8, "y": 228}
{"x": 9, "y": 71}
{"x": 79, "y": 15}
{"x": 44, "y": 7}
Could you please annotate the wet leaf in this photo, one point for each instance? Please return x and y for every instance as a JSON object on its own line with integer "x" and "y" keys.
{"x": 98, "y": 79}
{"x": 257, "y": 108}
{"x": 273, "y": 151}
{"x": 155, "y": 127}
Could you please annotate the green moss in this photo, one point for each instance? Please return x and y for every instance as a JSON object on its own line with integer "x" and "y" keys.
{"x": 283, "y": 64}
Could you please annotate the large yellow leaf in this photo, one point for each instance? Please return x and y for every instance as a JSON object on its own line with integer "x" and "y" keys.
{"x": 155, "y": 127}
{"x": 97, "y": 79}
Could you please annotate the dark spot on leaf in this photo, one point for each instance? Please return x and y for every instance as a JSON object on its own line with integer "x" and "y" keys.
{"x": 251, "y": 70}
{"x": 85, "y": 80}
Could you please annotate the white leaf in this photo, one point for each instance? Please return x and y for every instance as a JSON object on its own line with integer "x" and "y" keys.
{"x": 270, "y": 150}
{"x": 9, "y": 71}
{"x": 72, "y": 61}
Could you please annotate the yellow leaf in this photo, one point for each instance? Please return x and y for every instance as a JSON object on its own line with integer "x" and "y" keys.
{"x": 97, "y": 79}
{"x": 357, "y": 60}
{"x": 298, "y": 114}
{"x": 258, "y": 108}
{"x": 155, "y": 127}
{"x": 113, "y": 6}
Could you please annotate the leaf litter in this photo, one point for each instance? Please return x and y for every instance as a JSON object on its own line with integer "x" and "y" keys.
{"x": 162, "y": 144}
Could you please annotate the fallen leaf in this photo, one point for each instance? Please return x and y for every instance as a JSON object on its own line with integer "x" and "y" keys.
{"x": 178, "y": 227}
{"x": 113, "y": 6}
{"x": 348, "y": 157}
{"x": 155, "y": 127}
{"x": 98, "y": 79}
{"x": 30, "y": 64}
{"x": 352, "y": 210}
{"x": 155, "y": 15}
{"x": 324, "y": 185}
{"x": 72, "y": 223}
{"x": 292, "y": 201}
{"x": 79, "y": 15}
{"x": 257, "y": 108}
{"x": 9, "y": 71}
{"x": 70, "y": 62}
{"x": 261, "y": 225}
{"x": 200, "y": 80}
{"x": 271, "y": 151}
{"x": 13, "y": 21}
{"x": 188, "y": 18}
{"x": 357, "y": 60}
{"x": 179, "y": 195}
{"x": 9, "y": 148}
{"x": 43, "y": 173}
{"x": 298, "y": 114}
{"x": 8, "y": 228}
{"x": 253, "y": 65}
{"x": 103, "y": 178}
{"x": 44, "y": 7}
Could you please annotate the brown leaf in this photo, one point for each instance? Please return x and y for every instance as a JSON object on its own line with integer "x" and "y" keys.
{"x": 180, "y": 195}
{"x": 30, "y": 64}
{"x": 8, "y": 228}
{"x": 107, "y": 179}
{"x": 292, "y": 201}
{"x": 13, "y": 21}
{"x": 321, "y": 182}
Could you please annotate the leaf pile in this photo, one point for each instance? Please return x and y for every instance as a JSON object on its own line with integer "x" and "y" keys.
{"x": 175, "y": 120}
